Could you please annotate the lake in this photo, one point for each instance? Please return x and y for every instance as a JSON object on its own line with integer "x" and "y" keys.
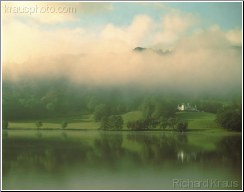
{"x": 58, "y": 159}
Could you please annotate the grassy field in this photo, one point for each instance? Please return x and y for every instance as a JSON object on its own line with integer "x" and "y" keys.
{"x": 199, "y": 120}
{"x": 196, "y": 121}
{"x": 74, "y": 122}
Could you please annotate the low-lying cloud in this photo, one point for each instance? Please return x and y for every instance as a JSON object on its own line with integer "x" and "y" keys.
{"x": 203, "y": 61}
{"x": 209, "y": 59}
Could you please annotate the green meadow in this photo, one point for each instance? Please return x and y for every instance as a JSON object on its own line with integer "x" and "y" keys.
{"x": 197, "y": 121}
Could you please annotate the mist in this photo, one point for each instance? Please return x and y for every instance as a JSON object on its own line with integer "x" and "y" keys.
{"x": 203, "y": 62}
{"x": 200, "y": 60}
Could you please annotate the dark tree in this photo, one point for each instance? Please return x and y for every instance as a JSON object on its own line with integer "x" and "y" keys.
{"x": 113, "y": 122}
{"x": 230, "y": 118}
{"x": 39, "y": 124}
{"x": 139, "y": 125}
{"x": 104, "y": 123}
{"x": 182, "y": 126}
{"x": 172, "y": 122}
{"x": 163, "y": 123}
{"x": 64, "y": 124}
{"x": 117, "y": 122}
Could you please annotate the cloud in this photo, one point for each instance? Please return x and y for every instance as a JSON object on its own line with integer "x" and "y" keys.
{"x": 40, "y": 41}
{"x": 22, "y": 42}
{"x": 235, "y": 37}
{"x": 174, "y": 25}
{"x": 209, "y": 59}
{"x": 133, "y": 34}
{"x": 26, "y": 41}
{"x": 203, "y": 61}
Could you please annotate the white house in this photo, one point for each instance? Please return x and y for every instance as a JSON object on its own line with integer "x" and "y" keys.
{"x": 187, "y": 107}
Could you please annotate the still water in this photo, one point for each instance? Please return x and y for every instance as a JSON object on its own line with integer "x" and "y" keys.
{"x": 120, "y": 160}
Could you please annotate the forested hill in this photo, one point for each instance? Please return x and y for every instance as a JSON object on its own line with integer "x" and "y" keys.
{"x": 50, "y": 98}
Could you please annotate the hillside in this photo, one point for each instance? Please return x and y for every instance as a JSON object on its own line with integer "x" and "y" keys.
{"x": 198, "y": 120}
{"x": 131, "y": 116}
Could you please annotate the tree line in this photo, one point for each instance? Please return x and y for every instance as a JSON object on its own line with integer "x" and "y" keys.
{"x": 33, "y": 100}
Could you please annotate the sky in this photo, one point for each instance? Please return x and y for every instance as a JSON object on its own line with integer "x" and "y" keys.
{"x": 94, "y": 44}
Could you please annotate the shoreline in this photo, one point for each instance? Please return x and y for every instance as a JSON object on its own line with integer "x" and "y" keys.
{"x": 126, "y": 130}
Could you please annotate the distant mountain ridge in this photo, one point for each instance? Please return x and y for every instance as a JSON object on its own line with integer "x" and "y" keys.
{"x": 158, "y": 51}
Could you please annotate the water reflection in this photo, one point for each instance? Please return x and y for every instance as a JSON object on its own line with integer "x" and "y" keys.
{"x": 65, "y": 154}
{"x": 39, "y": 134}
{"x": 64, "y": 134}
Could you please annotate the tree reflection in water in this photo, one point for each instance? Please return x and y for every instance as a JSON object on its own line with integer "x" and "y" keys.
{"x": 109, "y": 150}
